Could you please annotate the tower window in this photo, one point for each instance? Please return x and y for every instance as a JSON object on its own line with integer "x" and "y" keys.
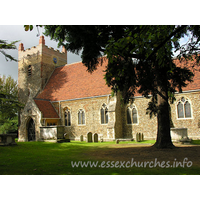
{"x": 29, "y": 71}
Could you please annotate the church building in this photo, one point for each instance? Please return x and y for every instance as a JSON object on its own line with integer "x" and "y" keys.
{"x": 65, "y": 99}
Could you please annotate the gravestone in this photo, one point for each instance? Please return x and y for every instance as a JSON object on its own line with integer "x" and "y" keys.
{"x": 178, "y": 134}
{"x": 137, "y": 137}
{"x": 81, "y": 138}
{"x": 65, "y": 139}
{"x": 100, "y": 137}
{"x": 95, "y": 137}
{"x": 89, "y": 137}
{"x": 117, "y": 141}
{"x": 9, "y": 140}
{"x": 142, "y": 137}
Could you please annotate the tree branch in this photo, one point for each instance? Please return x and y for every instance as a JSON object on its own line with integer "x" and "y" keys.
{"x": 167, "y": 39}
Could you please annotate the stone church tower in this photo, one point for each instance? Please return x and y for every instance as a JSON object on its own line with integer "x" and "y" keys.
{"x": 35, "y": 67}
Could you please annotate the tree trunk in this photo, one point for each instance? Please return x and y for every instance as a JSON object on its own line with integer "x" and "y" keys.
{"x": 163, "y": 120}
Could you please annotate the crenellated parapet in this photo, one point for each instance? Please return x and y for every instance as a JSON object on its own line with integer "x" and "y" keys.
{"x": 45, "y": 51}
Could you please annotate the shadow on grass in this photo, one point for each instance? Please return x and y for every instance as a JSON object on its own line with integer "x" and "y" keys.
{"x": 56, "y": 158}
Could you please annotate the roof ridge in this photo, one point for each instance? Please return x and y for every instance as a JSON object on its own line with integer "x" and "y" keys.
{"x": 79, "y": 62}
{"x": 74, "y": 63}
{"x": 68, "y": 64}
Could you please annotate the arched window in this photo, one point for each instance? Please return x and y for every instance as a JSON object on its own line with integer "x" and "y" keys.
{"x": 29, "y": 71}
{"x": 67, "y": 115}
{"x": 129, "y": 120}
{"x": 104, "y": 114}
{"x": 184, "y": 108}
{"x": 132, "y": 116}
{"x": 81, "y": 117}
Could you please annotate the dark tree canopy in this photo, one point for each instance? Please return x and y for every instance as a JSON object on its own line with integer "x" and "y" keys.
{"x": 137, "y": 55}
{"x": 139, "y": 58}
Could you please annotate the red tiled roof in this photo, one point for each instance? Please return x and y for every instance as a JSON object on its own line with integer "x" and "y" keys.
{"x": 195, "y": 85}
{"x": 74, "y": 81}
{"x": 46, "y": 108}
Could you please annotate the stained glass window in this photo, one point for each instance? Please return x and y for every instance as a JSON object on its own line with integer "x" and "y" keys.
{"x": 67, "y": 117}
{"x": 81, "y": 117}
{"x": 134, "y": 112}
{"x": 132, "y": 117}
{"x": 104, "y": 114}
{"x": 184, "y": 108}
{"x": 129, "y": 116}
{"x": 180, "y": 110}
{"x": 187, "y": 110}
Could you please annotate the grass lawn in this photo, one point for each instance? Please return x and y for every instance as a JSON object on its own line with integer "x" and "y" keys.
{"x": 46, "y": 158}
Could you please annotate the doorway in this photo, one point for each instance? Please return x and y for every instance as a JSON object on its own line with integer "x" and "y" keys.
{"x": 31, "y": 130}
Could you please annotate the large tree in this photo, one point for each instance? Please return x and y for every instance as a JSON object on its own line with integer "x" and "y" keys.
{"x": 9, "y": 105}
{"x": 140, "y": 58}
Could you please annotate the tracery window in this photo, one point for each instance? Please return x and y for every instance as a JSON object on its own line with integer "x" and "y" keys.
{"x": 67, "y": 115}
{"x": 132, "y": 115}
{"x": 184, "y": 108}
{"x": 81, "y": 117}
{"x": 104, "y": 114}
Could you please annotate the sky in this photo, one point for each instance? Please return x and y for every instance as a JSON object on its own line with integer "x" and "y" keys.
{"x": 29, "y": 39}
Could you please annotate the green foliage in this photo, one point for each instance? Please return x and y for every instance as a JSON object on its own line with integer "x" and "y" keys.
{"x": 195, "y": 142}
{"x": 30, "y": 27}
{"x": 91, "y": 40}
{"x": 9, "y": 104}
{"x": 191, "y": 48}
{"x": 6, "y": 46}
{"x": 9, "y": 125}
